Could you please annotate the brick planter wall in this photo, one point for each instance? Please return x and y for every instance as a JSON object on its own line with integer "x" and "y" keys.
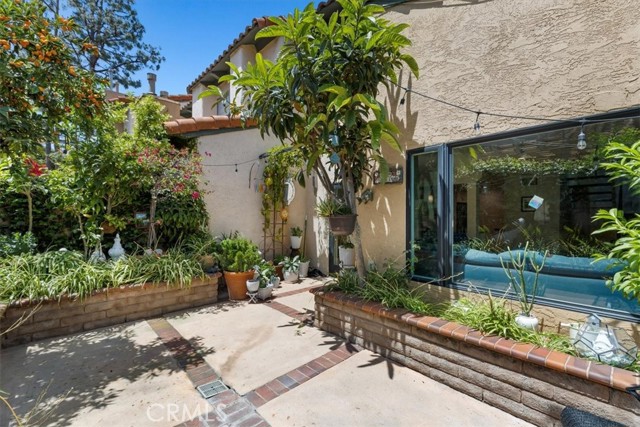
{"x": 103, "y": 308}
{"x": 532, "y": 383}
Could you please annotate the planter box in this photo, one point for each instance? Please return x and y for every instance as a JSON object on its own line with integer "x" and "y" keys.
{"x": 532, "y": 383}
{"x": 105, "y": 307}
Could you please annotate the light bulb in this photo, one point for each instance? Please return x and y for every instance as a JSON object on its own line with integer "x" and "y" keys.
{"x": 582, "y": 141}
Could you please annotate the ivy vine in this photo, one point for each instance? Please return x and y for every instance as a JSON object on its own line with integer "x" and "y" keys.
{"x": 282, "y": 163}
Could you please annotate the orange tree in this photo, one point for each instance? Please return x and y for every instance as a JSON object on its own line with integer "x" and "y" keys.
{"x": 41, "y": 92}
{"x": 321, "y": 94}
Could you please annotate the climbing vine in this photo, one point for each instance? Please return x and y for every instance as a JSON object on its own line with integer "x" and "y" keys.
{"x": 281, "y": 164}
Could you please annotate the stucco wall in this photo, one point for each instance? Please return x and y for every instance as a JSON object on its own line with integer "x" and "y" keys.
{"x": 232, "y": 198}
{"x": 201, "y": 107}
{"x": 271, "y": 50}
{"x": 551, "y": 58}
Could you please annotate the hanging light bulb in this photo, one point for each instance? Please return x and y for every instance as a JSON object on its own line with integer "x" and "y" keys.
{"x": 402, "y": 100}
{"x": 236, "y": 168}
{"x": 582, "y": 138}
{"x": 476, "y": 125}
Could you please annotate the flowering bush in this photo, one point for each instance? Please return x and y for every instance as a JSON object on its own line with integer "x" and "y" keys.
{"x": 23, "y": 176}
{"x": 168, "y": 171}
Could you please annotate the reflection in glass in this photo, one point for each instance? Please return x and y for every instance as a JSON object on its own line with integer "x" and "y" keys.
{"x": 542, "y": 190}
{"x": 424, "y": 214}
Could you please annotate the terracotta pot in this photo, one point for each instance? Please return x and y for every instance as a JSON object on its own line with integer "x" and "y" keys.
{"x": 207, "y": 261}
{"x": 237, "y": 284}
{"x": 107, "y": 228}
{"x": 342, "y": 225}
{"x": 279, "y": 271}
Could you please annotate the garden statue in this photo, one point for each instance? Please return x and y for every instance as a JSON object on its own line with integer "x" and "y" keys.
{"x": 117, "y": 251}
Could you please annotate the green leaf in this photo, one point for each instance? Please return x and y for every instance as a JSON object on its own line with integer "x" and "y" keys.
{"x": 272, "y": 31}
{"x": 411, "y": 63}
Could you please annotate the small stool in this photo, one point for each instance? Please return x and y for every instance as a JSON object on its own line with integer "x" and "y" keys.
{"x": 253, "y": 297}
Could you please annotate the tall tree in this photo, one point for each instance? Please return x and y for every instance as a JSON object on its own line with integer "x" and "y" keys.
{"x": 113, "y": 27}
{"x": 320, "y": 95}
{"x": 41, "y": 91}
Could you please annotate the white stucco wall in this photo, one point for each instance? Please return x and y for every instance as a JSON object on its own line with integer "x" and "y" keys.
{"x": 550, "y": 58}
{"x": 201, "y": 107}
{"x": 240, "y": 57}
{"x": 271, "y": 50}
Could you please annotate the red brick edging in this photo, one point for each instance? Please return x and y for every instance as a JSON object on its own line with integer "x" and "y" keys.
{"x": 300, "y": 375}
{"x": 606, "y": 375}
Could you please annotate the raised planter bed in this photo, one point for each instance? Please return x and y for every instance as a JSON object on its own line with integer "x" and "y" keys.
{"x": 103, "y": 308}
{"x": 532, "y": 383}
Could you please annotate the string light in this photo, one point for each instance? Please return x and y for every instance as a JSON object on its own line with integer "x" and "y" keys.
{"x": 402, "y": 101}
{"x": 507, "y": 116}
{"x": 236, "y": 168}
{"x": 582, "y": 138}
{"x": 476, "y": 125}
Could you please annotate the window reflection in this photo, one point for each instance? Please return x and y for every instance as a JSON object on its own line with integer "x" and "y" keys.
{"x": 542, "y": 191}
{"x": 424, "y": 222}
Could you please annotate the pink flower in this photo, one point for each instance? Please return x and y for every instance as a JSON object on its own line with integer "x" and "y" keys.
{"x": 195, "y": 195}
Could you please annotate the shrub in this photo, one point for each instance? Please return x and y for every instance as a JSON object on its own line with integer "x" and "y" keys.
{"x": 17, "y": 244}
{"x": 54, "y": 274}
{"x": 238, "y": 254}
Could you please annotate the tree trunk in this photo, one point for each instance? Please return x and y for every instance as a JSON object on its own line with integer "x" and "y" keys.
{"x": 30, "y": 208}
{"x": 151, "y": 241}
{"x": 350, "y": 197}
{"x": 85, "y": 244}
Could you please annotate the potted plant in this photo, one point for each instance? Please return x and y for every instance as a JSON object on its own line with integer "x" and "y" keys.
{"x": 291, "y": 268}
{"x": 237, "y": 256}
{"x": 279, "y": 266}
{"x": 345, "y": 251}
{"x": 303, "y": 271}
{"x": 253, "y": 284}
{"x": 266, "y": 271}
{"x": 296, "y": 237}
{"x": 519, "y": 261}
{"x": 342, "y": 221}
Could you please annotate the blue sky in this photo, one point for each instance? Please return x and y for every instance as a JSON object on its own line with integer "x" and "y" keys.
{"x": 192, "y": 33}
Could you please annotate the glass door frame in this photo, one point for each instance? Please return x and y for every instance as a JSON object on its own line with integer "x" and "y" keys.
{"x": 444, "y": 227}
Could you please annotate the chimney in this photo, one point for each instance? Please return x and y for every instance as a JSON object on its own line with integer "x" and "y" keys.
{"x": 151, "y": 78}
{"x": 164, "y": 94}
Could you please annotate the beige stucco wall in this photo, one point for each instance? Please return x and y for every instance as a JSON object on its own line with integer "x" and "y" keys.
{"x": 171, "y": 107}
{"x": 233, "y": 199}
{"x": 551, "y": 58}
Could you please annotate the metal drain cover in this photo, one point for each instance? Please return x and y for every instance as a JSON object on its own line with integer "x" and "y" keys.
{"x": 211, "y": 389}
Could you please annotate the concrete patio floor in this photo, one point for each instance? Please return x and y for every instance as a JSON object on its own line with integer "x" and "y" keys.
{"x": 281, "y": 372}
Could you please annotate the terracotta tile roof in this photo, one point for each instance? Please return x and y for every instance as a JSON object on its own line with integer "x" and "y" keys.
{"x": 256, "y": 24}
{"x": 198, "y": 124}
{"x": 179, "y": 98}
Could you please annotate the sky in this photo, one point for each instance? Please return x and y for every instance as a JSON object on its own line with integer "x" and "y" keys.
{"x": 191, "y": 34}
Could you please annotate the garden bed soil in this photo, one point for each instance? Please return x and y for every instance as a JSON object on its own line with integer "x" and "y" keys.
{"x": 106, "y": 307}
{"x": 532, "y": 383}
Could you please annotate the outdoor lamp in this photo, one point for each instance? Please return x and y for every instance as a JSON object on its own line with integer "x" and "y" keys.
{"x": 582, "y": 138}
{"x": 607, "y": 344}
